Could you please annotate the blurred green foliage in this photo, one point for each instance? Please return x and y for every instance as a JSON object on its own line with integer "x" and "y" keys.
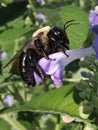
{"x": 42, "y": 107}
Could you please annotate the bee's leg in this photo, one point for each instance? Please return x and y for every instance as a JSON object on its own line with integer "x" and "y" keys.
{"x": 67, "y": 47}
{"x": 40, "y": 48}
{"x": 26, "y": 71}
{"x": 34, "y": 63}
{"x": 28, "y": 64}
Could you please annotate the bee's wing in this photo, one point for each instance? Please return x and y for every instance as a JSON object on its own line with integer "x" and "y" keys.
{"x": 15, "y": 58}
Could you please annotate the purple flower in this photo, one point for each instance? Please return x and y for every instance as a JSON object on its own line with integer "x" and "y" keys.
{"x": 41, "y": 17}
{"x": 8, "y": 100}
{"x": 55, "y": 67}
{"x": 3, "y": 55}
{"x": 93, "y": 20}
{"x": 95, "y": 45}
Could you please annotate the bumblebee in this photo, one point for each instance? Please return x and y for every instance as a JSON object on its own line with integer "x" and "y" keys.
{"x": 44, "y": 41}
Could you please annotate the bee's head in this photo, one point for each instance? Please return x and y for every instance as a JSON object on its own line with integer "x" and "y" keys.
{"x": 58, "y": 38}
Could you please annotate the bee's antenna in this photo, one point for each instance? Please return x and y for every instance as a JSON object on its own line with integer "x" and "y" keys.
{"x": 66, "y": 25}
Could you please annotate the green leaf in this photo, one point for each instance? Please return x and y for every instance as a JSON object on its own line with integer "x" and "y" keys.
{"x": 7, "y": 37}
{"x": 54, "y": 19}
{"x": 58, "y": 100}
{"x": 94, "y": 101}
{"x": 12, "y": 21}
{"x": 77, "y": 33}
{"x": 4, "y": 125}
{"x": 12, "y": 25}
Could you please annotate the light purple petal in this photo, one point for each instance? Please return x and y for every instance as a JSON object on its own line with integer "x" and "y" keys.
{"x": 93, "y": 17}
{"x": 42, "y": 17}
{"x": 45, "y": 64}
{"x": 55, "y": 66}
{"x": 94, "y": 28}
{"x": 58, "y": 62}
{"x": 95, "y": 45}
{"x": 57, "y": 77}
{"x": 38, "y": 79}
{"x": 8, "y": 100}
{"x": 3, "y": 55}
{"x": 93, "y": 20}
